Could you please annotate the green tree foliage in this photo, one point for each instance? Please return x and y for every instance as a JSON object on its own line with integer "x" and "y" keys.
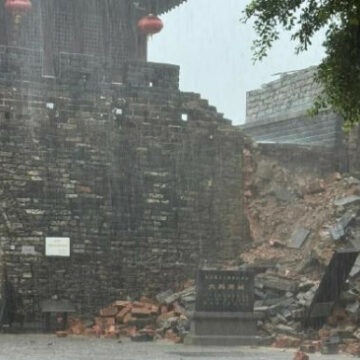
{"x": 339, "y": 72}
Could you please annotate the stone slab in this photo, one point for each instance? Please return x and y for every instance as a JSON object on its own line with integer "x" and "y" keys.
{"x": 356, "y": 268}
{"x": 298, "y": 238}
{"x": 228, "y": 328}
{"x": 338, "y": 231}
{"x": 347, "y": 200}
{"x": 275, "y": 282}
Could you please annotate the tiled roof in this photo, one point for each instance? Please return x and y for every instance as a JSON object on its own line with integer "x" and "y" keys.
{"x": 161, "y": 6}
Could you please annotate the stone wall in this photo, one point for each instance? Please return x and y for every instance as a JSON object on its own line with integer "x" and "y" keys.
{"x": 317, "y": 160}
{"x": 288, "y": 97}
{"x": 322, "y": 130}
{"x": 145, "y": 180}
{"x": 278, "y": 114}
{"x": 353, "y": 150}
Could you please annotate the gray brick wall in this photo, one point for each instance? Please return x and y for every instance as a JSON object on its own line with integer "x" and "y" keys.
{"x": 278, "y": 113}
{"x": 288, "y": 97}
{"x": 352, "y": 141}
{"x": 312, "y": 159}
{"x": 322, "y": 130}
{"x": 145, "y": 180}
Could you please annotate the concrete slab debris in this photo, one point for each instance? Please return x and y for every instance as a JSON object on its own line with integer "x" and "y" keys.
{"x": 298, "y": 238}
{"x": 283, "y": 194}
{"x": 163, "y": 295}
{"x": 353, "y": 308}
{"x": 273, "y": 281}
{"x": 356, "y": 268}
{"x": 348, "y": 200}
{"x": 338, "y": 231}
{"x": 190, "y": 292}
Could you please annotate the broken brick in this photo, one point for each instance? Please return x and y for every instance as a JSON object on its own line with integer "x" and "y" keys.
{"x": 284, "y": 341}
{"x": 121, "y": 314}
{"x": 61, "y": 334}
{"x": 108, "y": 311}
{"x": 120, "y": 304}
{"x": 301, "y": 356}
{"x": 353, "y": 349}
{"x": 141, "y": 311}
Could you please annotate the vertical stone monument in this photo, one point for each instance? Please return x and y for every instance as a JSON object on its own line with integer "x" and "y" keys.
{"x": 224, "y": 311}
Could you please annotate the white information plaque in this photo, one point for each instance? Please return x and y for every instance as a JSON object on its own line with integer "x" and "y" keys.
{"x": 57, "y": 246}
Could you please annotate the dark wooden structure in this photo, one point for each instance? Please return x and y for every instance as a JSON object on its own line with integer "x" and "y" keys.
{"x": 104, "y": 28}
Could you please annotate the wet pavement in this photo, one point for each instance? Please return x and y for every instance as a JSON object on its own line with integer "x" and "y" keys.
{"x": 48, "y": 347}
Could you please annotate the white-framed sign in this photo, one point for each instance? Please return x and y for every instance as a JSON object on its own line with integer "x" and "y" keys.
{"x": 57, "y": 246}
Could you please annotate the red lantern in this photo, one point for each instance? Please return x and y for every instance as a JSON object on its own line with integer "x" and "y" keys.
{"x": 150, "y": 25}
{"x": 16, "y": 6}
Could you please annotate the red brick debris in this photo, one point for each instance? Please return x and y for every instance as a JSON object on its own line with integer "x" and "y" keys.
{"x": 143, "y": 320}
{"x": 301, "y": 356}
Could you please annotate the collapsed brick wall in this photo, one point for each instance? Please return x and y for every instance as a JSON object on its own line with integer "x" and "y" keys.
{"x": 145, "y": 180}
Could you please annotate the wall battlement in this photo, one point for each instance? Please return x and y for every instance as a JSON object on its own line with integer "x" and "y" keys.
{"x": 22, "y": 64}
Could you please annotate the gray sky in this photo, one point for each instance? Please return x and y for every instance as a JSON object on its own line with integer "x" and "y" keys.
{"x": 213, "y": 48}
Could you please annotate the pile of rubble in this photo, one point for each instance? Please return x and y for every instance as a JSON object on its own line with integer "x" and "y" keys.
{"x": 297, "y": 220}
{"x": 296, "y": 217}
{"x": 339, "y": 335}
{"x": 284, "y": 301}
{"x": 167, "y": 317}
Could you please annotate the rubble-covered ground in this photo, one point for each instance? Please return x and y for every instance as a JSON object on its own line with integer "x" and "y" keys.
{"x": 45, "y": 347}
{"x": 297, "y": 219}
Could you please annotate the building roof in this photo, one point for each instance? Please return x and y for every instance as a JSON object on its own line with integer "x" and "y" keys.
{"x": 161, "y": 6}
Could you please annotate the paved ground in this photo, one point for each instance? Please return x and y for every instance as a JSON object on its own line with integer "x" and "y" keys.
{"x": 48, "y": 347}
